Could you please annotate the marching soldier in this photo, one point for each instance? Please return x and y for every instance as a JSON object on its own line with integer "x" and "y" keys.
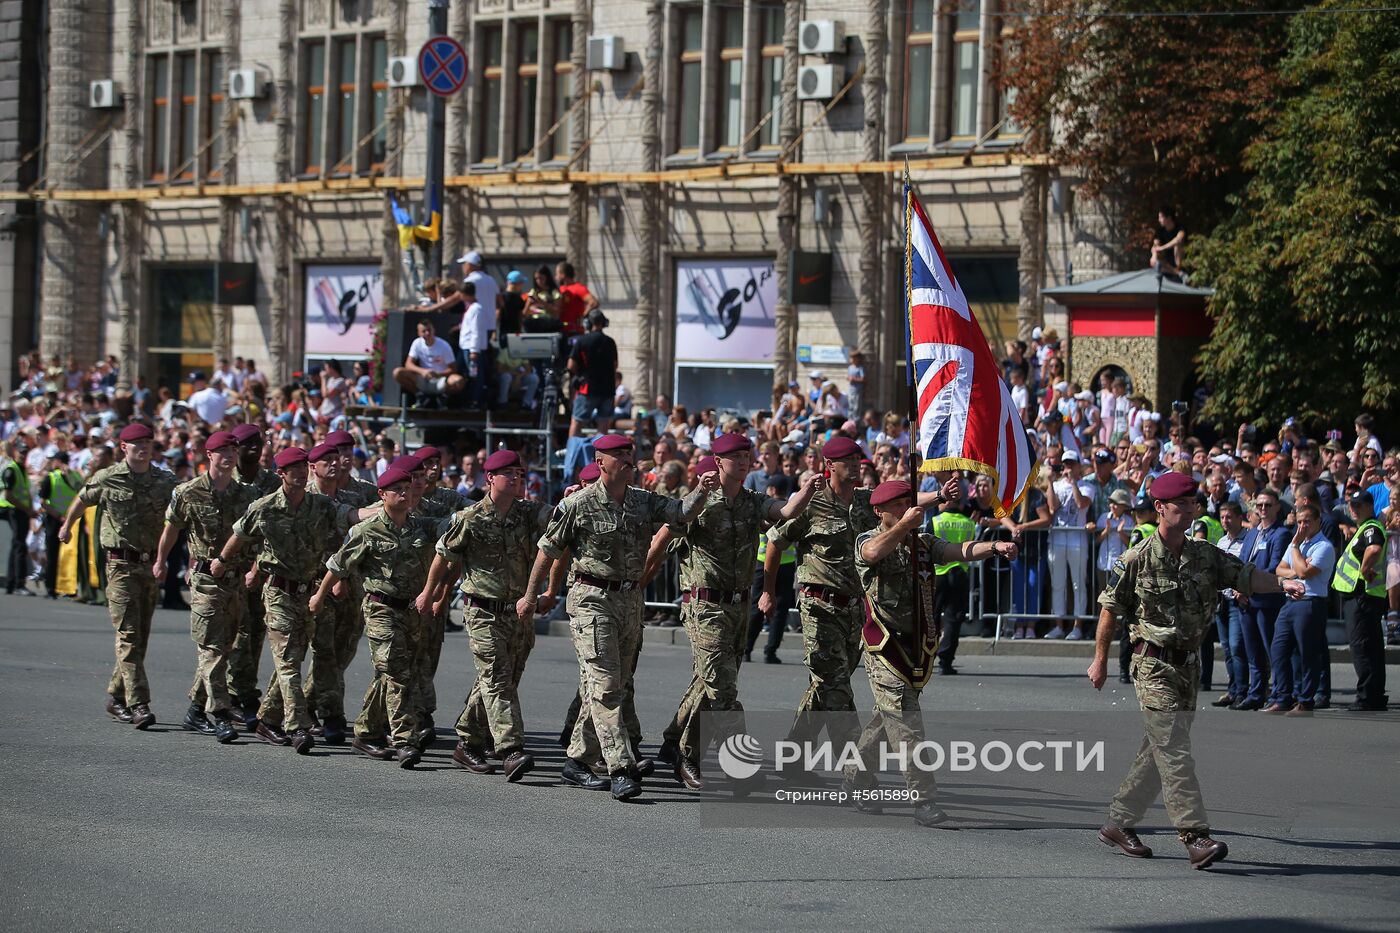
{"x": 206, "y": 507}
{"x": 717, "y": 558}
{"x": 607, "y": 527}
{"x": 133, "y": 497}
{"x": 291, "y": 528}
{"x": 434, "y": 622}
{"x": 1166, "y": 589}
{"x": 436, "y": 493}
{"x": 493, "y": 541}
{"x": 390, "y": 554}
{"x": 898, "y": 656}
{"x": 243, "y": 661}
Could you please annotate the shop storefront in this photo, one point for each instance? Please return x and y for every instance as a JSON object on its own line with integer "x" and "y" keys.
{"x": 179, "y": 336}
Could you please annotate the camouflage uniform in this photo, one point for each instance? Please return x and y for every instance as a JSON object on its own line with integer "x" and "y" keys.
{"x": 824, "y": 535}
{"x": 889, "y": 594}
{"x": 217, "y": 605}
{"x": 133, "y": 505}
{"x": 243, "y": 658}
{"x": 496, "y": 552}
{"x": 392, "y": 563}
{"x": 434, "y": 627}
{"x": 718, "y": 551}
{"x": 609, "y": 543}
{"x": 1168, "y": 603}
{"x": 291, "y": 545}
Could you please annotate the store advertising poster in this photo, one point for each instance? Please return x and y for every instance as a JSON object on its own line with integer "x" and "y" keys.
{"x": 341, "y": 303}
{"x": 725, "y": 310}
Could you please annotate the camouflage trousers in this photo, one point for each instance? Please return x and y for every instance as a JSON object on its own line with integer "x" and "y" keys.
{"x": 607, "y": 633}
{"x": 832, "y": 647}
{"x": 216, "y": 611}
{"x": 243, "y": 658}
{"x": 500, "y": 646}
{"x": 898, "y": 723}
{"x": 131, "y": 600}
{"x": 1167, "y": 695}
{"x": 432, "y": 630}
{"x": 389, "y": 708}
{"x": 339, "y": 625}
{"x": 710, "y": 710}
{"x": 289, "y": 631}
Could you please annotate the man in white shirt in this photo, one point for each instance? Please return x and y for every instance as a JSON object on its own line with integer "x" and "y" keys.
{"x": 226, "y": 378}
{"x": 472, "y": 340}
{"x": 430, "y": 369}
{"x": 486, "y": 288}
{"x": 206, "y": 401}
{"x": 1070, "y": 499}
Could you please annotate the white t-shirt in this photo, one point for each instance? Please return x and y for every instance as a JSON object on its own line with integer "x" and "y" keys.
{"x": 1021, "y": 398}
{"x": 210, "y": 404}
{"x": 1070, "y": 515}
{"x": 436, "y": 358}
{"x": 472, "y": 337}
{"x": 1112, "y": 546}
{"x": 486, "y": 292}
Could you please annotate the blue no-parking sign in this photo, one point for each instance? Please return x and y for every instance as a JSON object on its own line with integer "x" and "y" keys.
{"x": 442, "y": 65}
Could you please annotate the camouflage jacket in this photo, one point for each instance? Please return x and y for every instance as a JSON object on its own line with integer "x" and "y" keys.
{"x": 1170, "y": 602}
{"x": 889, "y": 584}
{"x": 266, "y": 482}
{"x": 133, "y": 505}
{"x": 293, "y": 543}
{"x": 825, "y": 538}
{"x": 495, "y": 551}
{"x": 445, "y": 498}
{"x": 719, "y": 548}
{"x": 389, "y": 560}
{"x": 208, "y": 515}
{"x": 609, "y": 540}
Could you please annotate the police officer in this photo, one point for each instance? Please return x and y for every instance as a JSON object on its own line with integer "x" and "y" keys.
{"x": 1360, "y": 578}
{"x": 245, "y": 689}
{"x": 898, "y": 656}
{"x": 57, "y": 491}
{"x": 292, "y": 529}
{"x": 15, "y": 503}
{"x": 953, "y": 525}
{"x": 607, "y": 527}
{"x": 206, "y": 508}
{"x": 133, "y": 497}
{"x": 390, "y": 553}
{"x": 717, "y": 552}
{"x": 493, "y": 542}
{"x": 1167, "y": 632}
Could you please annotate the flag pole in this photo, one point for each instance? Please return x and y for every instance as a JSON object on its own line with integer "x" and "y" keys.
{"x": 922, "y": 611}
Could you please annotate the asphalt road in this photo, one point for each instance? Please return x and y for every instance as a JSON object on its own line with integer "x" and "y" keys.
{"x": 106, "y": 828}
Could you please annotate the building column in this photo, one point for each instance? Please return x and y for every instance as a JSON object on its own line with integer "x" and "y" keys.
{"x": 578, "y": 133}
{"x": 391, "y": 253}
{"x": 874, "y": 190}
{"x": 649, "y": 276}
{"x": 1030, "y": 262}
{"x": 1100, "y": 236}
{"x": 284, "y": 225}
{"x": 785, "y": 315}
{"x": 228, "y": 171}
{"x": 457, "y": 220}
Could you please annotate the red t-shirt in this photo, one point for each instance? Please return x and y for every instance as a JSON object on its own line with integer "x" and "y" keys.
{"x": 573, "y": 300}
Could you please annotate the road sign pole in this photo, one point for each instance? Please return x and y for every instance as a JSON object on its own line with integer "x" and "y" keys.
{"x": 437, "y": 138}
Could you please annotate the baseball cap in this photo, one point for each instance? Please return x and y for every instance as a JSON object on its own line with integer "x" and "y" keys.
{"x": 471, "y": 256}
{"x": 1105, "y": 456}
{"x": 816, "y": 374}
{"x": 1069, "y": 456}
{"x": 1362, "y": 495}
{"x": 197, "y": 376}
{"x": 1121, "y": 497}
{"x": 1036, "y": 333}
{"x": 516, "y": 277}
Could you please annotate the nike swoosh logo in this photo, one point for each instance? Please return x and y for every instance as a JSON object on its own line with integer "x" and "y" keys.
{"x": 231, "y": 284}
{"x": 808, "y": 279}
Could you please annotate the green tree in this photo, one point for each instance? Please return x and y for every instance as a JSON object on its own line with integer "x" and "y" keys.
{"x": 1307, "y": 269}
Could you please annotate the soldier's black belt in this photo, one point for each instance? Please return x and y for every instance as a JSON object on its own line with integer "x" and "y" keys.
{"x": 706, "y": 595}
{"x": 130, "y": 556}
{"x": 488, "y": 605}
{"x": 390, "y": 601}
{"x": 1177, "y": 656}
{"x": 288, "y": 585}
{"x": 202, "y": 566}
{"x": 827, "y": 595}
{"x": 612, "y": 586}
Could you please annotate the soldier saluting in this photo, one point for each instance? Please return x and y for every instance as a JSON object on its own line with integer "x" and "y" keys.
{"x": 1166, "y": 588}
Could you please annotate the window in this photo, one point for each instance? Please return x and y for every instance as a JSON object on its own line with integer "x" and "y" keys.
{"x": 343, "y": 157}
{"x": 966, "y": 61}
{"x": 160, "y": 117}
{"x": 692, "y": 61}
{"x": 488, "y": 143}
{"x": 770, "y": 74}
{"x": 314, "y": 109}
{"x": 379, "y": 102}
{"x": 918, "y": 70}
{"x": 187, "y": 117}
{"x": 527, "y": 72}
{"x": 731, "y": 78}
{"x": 563, "y": 88}
{"x": 1006, "y": 126}
{"x": 217, "y": 75}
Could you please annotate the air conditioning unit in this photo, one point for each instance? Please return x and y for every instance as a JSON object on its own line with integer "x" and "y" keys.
{"x": 819, "y": 82}
{"x": 403, "y": 72}
{"x": 605, "y": 53}
{"x": 821, "y": 37}
{"x": 102, "y": 95}
{"x": 248, "y": 84}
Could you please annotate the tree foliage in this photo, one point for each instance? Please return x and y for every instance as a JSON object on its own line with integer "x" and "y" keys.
{"x": 1307, "y": 268}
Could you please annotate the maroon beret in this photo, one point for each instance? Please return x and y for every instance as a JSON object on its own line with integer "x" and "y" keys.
{"x": 608, "y": 443}
{"x": 1172, "y": 485}
{"x": 392, "y": 477}
{"x": 839, "y": 448}
{"x": 501, "y": 460}
{"x": 730, "y": 443}
{"x": 340, "y": 439}
{"x": 424, "y": 454}
{"x": 288, "y": 457}
{"x": 589, "y": 473}
{"x": 247, "y": 432}
{"x": 706, "y": 465}
{"x": 408, "y": 463}
{"x": 136, "y": 432}
{"x": 324, "y": 451}
{"x": 220, "y": 439}
{"x": 889, "y": 491}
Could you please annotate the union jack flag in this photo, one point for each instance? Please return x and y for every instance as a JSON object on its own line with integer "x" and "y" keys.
{"x": 966, "y": 420}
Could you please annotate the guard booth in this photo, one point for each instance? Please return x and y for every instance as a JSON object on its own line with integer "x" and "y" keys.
{"x": 1144, "y": 325}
